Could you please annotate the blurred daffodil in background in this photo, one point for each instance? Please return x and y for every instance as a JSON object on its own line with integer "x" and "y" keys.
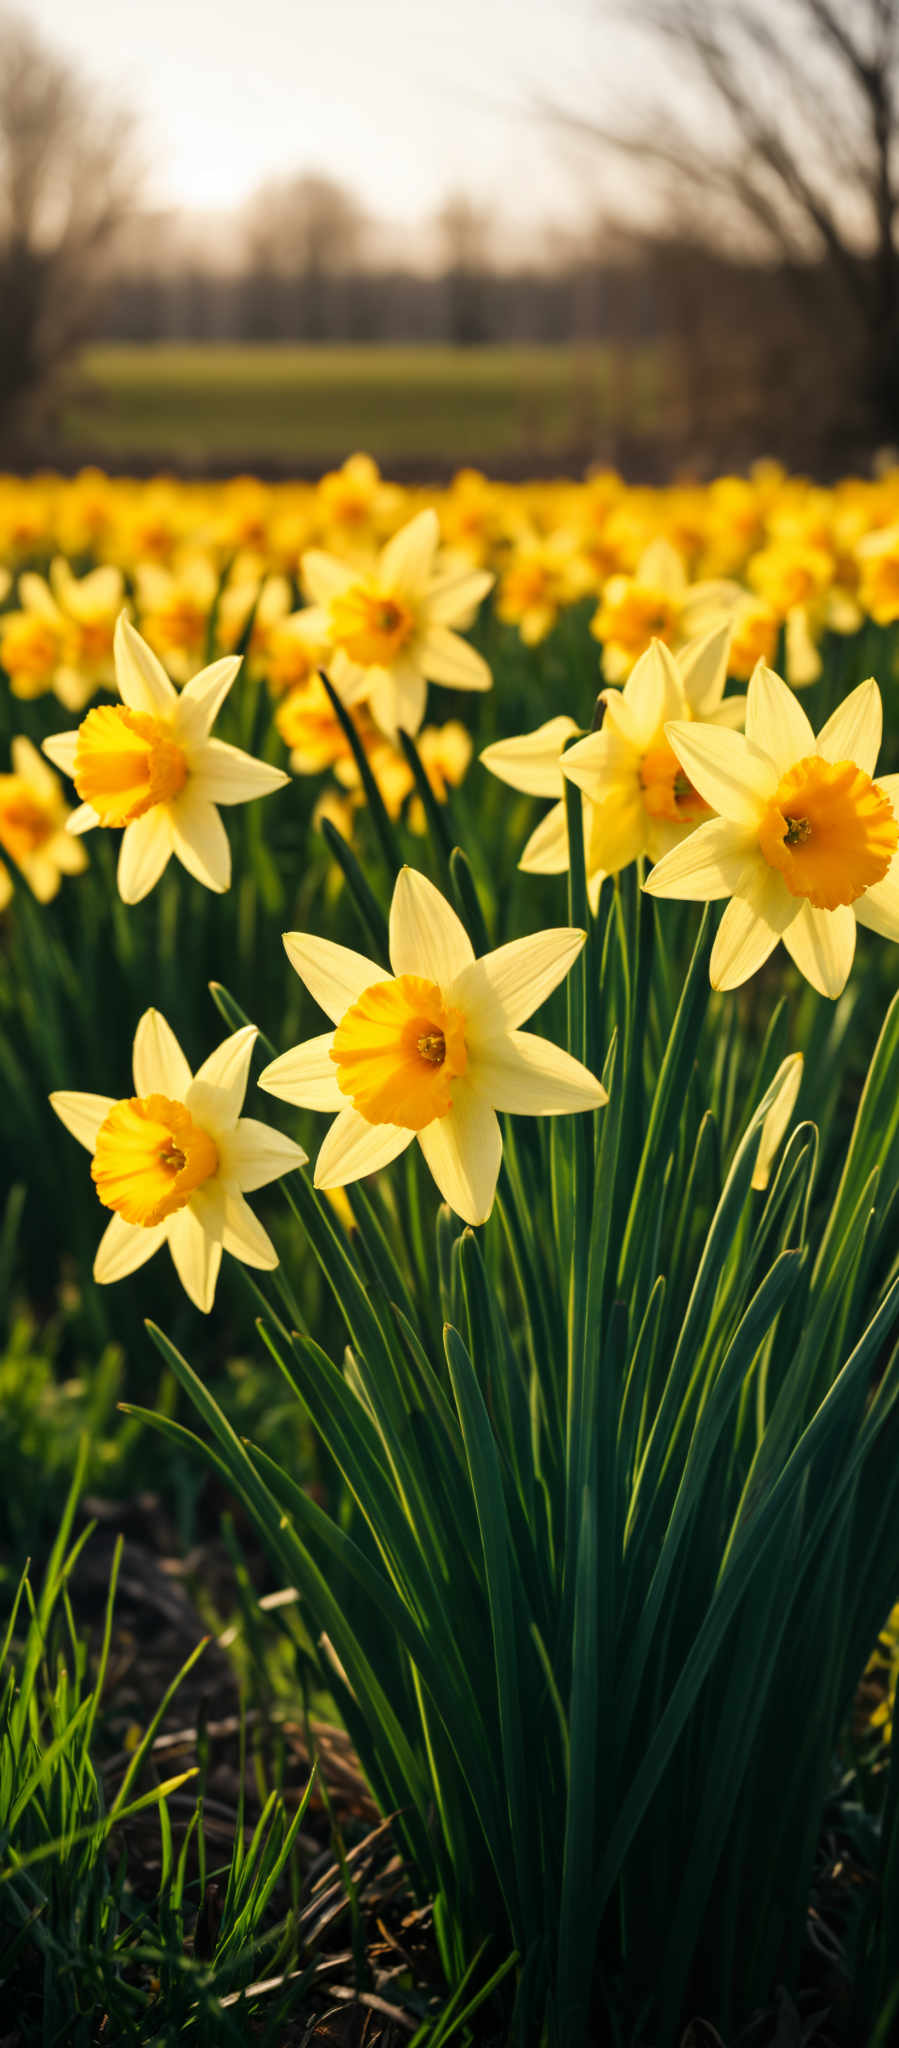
{"x": 61, "y": 638}
{"x": 33, "y": 819}
{"x": 390, "y": 629}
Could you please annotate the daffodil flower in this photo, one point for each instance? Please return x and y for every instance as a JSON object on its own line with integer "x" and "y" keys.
{"x": 33, "y": 820}
{"x": 656, "y": 603}
{"x": 805, "y": 842}
{"x": 149, "y": 764}
{"x": 62, "y": 637}
{"x": 636, "y": 800}
{"x": 389, "y": 628}
{"x": 432, "y": 1050}
{"x": 174, "y": 1160}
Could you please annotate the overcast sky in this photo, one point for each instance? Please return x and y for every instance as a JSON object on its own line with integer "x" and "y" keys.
{"x": 403, "y": 99}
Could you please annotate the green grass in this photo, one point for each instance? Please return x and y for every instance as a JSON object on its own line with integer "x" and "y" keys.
{"x": 199, "y": 402}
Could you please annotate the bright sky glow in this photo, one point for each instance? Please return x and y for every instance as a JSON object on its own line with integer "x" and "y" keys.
{"x": 404, "y": 100}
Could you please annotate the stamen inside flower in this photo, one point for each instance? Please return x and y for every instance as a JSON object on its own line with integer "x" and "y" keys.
{"x": 149, "y": 1158}
{"x": 667, "y": 791}
{"x": 829, "y": 830}
{"x": 125, "y": 762}
{"x": 398, "y": 1050}
{"x": 370, "y": 625}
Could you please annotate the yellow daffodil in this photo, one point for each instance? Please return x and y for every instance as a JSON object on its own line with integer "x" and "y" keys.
{"x": 267, "y": 598}
{"x": 755, "y": 632}
{"x": 532, "y": 763}
{"x": 61, "y": 639}
{"x": 33, "y": 819}
{"x": 798, "y": 579}
{"x": 641, "y": 801}
{"x": 355, "y": 508}
{"x": 293, "y": 656}
{"x": 432, "y": 1050}
{"x": 174, "y": 1160}
{"x": 546, "y": 572}
{"x": 149, "y": 764}
{"x": 471, "y": 517}
{"x": 174, "y": 607}
{"x": 878, "y": 556}
{"x": 310, "y": 727}
{"x": 805, "y": 841}
{"x": 656, "y": 603}
{"x": 444, "y": 752}
{"x": 390, "y": 629}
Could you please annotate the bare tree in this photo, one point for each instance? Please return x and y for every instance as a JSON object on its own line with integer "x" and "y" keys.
{"x": 778, "y": 127}
{"x": 68, "y": 179}
{"x": 464, "y": 232}
{"x": 304, "y": 237}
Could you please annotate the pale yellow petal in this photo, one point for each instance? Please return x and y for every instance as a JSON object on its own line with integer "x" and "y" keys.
{"x": 82, "y": 819}
{"x": 124, "y": 1247}
{"x": 706, "y": 865}
{"x": 253, "y": 1154}
{"x": 446, "y": 658}
{"x": 702, "y": 667}
{"x": 854, "y": 731}
{"x": 397, "y": 698}
{"x": 145, "y": 851}
{"x": 531, "y": 762}
{"x": 546, "y": 852}
{"x": 197, "y": 1256}
{"x": 199, "y": 840}
{"x": 222, "y": 774}
{"x": 802, "y": 660}
{"x": 529, "y": 1076}
{"x": 661, "y": 565}
{"x": 732, "y": 775}
{"x": 216, "y": 1093}
{"x": 878, "y": 908}
{"x": 504, "y": 988}
{"x": 81, "y": 1114}
{"x": 653, "y": 692}
{"x": 775, "y": 720}
{"x": 464, "y": 1152}
{"x": 822, "y": 944}
{"x": 324, "y": 577}
{"x": 334, "y": 975}
{"x": 426, "y": 936}
{"x": 26, "y": 761}
{"x": 202, "y": 698}
{"x": 406, "y": 562}
{"x": 751, "y": 926}
{"x": 454, "y": 600}
{"x": 354, "y": 1147}
{"x": 61, "y": 748}
{"x": 618, "y": 831}
{"x": 730, "y": 712}
{"x": 244, "y": 1236}
{"x": 306, "y": 1075}
{"x": 142, "y": 680}
{"x": 160, "y": 1067}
